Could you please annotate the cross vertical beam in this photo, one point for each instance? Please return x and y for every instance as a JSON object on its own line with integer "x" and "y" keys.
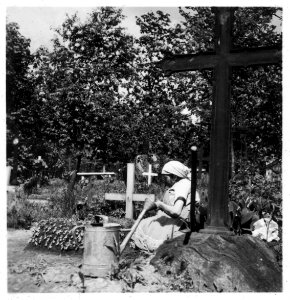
{"x": 220, "y": 129}
{"x": 130, "y": 190}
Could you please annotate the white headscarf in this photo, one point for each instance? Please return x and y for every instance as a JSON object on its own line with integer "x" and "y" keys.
{"x": 176, "y": 168}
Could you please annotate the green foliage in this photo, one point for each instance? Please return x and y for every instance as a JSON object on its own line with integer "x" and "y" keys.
{"x": 19, "y": 215}
{"x": 253, "y": 27}
{"x": 30, "y": 185}
{"x": 256, "y": 103}
{"x": 22, "y": 214}
{"x": 22, "y": 109}
{"x": 92, "y": 195}
{"x": 18, "y": 58}
{"x": 253, "y": 190}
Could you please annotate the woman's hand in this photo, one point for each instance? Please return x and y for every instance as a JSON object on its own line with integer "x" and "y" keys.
{"x": 158, "y": 204}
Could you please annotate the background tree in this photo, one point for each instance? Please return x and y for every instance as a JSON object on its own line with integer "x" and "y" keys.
{"x": 21, "y": 108}
{"x": 78, "y": 83}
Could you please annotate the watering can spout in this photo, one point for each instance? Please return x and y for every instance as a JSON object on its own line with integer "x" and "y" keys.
{"x": 148, "y": 205}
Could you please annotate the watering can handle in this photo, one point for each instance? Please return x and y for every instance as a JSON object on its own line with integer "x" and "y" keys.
{"x": 104, "y": 218}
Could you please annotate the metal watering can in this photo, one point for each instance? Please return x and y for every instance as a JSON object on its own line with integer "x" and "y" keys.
{"x": 102, "y": 248}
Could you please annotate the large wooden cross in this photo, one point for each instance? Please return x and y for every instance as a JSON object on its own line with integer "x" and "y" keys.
{"x": 221, "y": 61}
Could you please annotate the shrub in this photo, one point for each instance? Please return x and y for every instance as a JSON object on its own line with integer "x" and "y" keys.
{"x": 19, "y": 215}
{"x": 91, "y": 194}
{"x": 22, "y": 214}
{"x": 255, "y": 192}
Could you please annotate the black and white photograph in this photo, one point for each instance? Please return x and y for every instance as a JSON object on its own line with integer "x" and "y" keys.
{"x": 145, "y": 147}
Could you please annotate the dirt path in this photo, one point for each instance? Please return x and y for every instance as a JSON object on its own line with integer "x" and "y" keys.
{"x": 39, "y": 271}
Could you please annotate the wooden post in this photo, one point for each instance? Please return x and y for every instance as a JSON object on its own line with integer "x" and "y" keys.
{"x": 15, "y": 163}
{"x": 200, "y": 164}
{"x": 193, "y": 188}
{"x": 130, "y": 190}
{"x": 232, "y": 157}
{"x": 8, "y": 169}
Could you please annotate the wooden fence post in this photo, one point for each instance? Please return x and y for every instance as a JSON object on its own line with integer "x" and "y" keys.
{"x": 130, "y": 190}
{"x": 8, "y": 170}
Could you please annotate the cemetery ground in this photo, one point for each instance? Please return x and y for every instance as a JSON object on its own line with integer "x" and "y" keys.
{"x": 32, "y": 270}
{"x": 40, "y": 270}
{"x": 207, "y": 263}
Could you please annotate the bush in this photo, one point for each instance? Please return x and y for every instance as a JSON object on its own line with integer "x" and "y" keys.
{"x": 22, "y": 214}
{"x": 30, "y": 186}
{"x": 19, "y": 215}
{"x": 91, "y": 194}
{"x": 259, "y": 195}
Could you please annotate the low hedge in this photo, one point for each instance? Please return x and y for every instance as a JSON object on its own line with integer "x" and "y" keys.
{"x": 58, "y": 234}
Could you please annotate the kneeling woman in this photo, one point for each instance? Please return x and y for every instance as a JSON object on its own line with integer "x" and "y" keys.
{"x": 172, "y": 210}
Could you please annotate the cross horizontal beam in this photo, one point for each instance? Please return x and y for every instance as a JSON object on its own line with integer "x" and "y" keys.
{"x": 208, "y": 60}
{"x": 96, "y": 173}
{"x": 135, "y": 197}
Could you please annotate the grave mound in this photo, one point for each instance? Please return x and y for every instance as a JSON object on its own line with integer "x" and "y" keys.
{"x": 219, "y": 263}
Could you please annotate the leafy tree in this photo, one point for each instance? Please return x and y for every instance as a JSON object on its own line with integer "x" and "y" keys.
{"x": 22, "y": 111}
{"x": 257, "y": 91}
{"x": 78, "y": 83}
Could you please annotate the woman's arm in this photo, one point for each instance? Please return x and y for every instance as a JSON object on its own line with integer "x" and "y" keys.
{"x": 173, "y": 211}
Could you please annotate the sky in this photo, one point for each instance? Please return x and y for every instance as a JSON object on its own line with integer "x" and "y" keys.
{"x": 36, "y": 23}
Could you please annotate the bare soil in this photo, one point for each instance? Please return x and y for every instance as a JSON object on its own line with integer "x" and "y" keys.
{"x": 33, "y": 270}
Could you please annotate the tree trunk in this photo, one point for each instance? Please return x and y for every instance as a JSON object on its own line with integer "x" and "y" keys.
{"x": 69, "y": 164}
{"x": 74, "y": 175}
{"x": 13, "y": 179}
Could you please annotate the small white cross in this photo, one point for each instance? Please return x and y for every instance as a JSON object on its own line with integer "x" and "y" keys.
{"x": 149, "y": 174}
